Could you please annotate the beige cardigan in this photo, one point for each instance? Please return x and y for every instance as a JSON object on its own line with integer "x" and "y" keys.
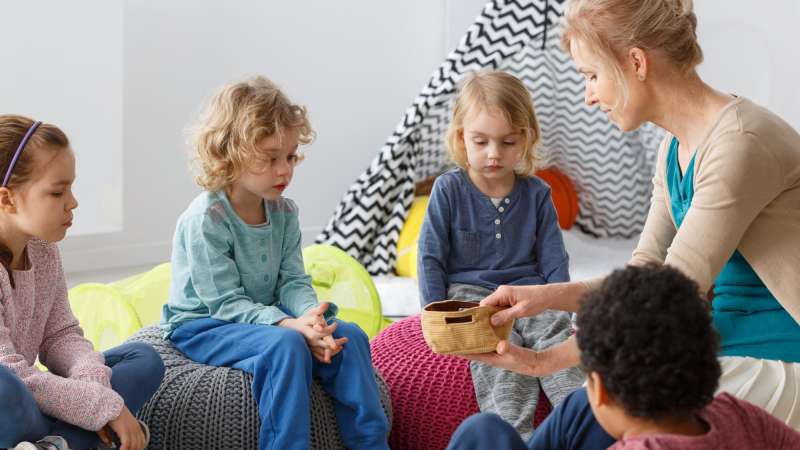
{"x": 746, "y": 196}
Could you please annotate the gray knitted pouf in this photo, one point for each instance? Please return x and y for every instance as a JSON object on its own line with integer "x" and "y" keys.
{"x": 205, "y": 407}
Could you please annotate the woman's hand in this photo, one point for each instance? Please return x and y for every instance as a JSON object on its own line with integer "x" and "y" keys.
{"x": 520, "y": 301}
{"x": 510, "y": 357}
{"x": 526, "y": 301}
{"x": 127, "y": 429}
{"x": 316, "y": 331}
{"x": 529, "y": 362}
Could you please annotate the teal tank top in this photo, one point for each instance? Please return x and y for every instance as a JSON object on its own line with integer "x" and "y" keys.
{"x": 747, "y": 316}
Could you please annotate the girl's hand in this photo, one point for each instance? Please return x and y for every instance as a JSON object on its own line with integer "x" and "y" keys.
{"x": 131, "y": 436}
{"x": 105, "y": 436}
{"x": 520, "y": 301}
{"x": 318, "y": 334}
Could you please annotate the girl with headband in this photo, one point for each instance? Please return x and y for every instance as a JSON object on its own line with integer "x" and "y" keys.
{"x": 85, "y": 397}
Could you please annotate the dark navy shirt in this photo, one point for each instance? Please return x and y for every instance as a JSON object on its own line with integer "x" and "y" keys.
{"x": 466, "y": 239}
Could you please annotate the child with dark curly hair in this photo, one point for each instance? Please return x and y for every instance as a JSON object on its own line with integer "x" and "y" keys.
{"x": 649, "y": 351}
{"x": 650, "y": 354}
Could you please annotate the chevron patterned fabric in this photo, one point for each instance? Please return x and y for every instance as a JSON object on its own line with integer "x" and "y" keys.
{"x": 611, "y": 170}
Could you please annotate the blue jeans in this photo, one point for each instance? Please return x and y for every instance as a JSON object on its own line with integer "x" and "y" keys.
{"x": 282, "y": 367}
{"x": 136, "y": 373}
{"x": 571, "y": 425}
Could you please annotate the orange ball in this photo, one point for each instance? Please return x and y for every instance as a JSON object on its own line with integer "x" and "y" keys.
{"x": 564, "y": 196}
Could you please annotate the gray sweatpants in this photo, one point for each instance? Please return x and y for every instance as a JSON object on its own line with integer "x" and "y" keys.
{"x": 514, "y": 396}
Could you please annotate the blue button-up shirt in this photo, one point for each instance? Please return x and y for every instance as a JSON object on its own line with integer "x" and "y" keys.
{"x": 466, "y": 239}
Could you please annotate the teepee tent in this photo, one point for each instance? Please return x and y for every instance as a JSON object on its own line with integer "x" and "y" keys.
{"x": 611, "y": 170}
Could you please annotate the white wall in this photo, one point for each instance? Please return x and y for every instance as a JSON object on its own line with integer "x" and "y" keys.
{"x": 751, "y": 49}
{"x": 357, "y": 66}
{"x": 60, "y": 73}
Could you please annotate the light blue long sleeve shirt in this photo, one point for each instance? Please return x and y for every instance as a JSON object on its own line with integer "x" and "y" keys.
{"x": 466, "y": 239}
{"x": 225, "y": 269}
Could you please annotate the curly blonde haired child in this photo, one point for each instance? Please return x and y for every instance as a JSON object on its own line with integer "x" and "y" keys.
{"x": 240, "y": 297}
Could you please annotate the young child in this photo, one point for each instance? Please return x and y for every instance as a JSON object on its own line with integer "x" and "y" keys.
{"x": 240, "y": 296}
{"x": 650, "y": 352}
{"x": 86, "y": 396}
{"x": 489, "y": 223}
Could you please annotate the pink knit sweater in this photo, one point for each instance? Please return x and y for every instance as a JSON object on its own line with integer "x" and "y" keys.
{"x": 35, "y": 319}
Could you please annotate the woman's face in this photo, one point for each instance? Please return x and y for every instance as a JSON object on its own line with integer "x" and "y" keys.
{"x": 604, "y": 92}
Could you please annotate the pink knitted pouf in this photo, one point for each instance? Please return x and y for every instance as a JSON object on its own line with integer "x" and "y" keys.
{"x": 431, "y": 394}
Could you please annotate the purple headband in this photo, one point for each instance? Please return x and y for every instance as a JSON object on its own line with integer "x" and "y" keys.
{"x": 21, "y": 147}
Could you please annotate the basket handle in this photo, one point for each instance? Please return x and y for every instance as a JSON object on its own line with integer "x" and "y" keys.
{"x": 462, "y": 319}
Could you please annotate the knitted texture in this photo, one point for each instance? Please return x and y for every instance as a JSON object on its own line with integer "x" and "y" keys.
{"x": 203, "y": 407}
{"x": 431, "y": 394}
{"x": 36, "y": 321}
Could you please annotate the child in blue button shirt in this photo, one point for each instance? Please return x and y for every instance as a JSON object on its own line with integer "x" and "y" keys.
{"x": 489, "y": 223}
{"x": 240, "y": 297}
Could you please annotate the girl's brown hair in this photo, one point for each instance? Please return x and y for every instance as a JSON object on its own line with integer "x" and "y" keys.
{"x": 506, "y": 93}
{"x": 12, "y": 130}
{"x": 236, "y": 119}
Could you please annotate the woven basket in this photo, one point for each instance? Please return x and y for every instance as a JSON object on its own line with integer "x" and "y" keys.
{"x": 461, "y": 328}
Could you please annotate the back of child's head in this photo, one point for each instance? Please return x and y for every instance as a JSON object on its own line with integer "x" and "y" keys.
{"x": 648, "y": 334}
{"x": 21, "y": 160}
{"x": 236, "y": 119}
{"x": 494, "y": 91}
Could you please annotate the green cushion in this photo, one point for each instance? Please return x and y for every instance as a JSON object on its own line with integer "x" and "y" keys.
{"x": 339, "y": 278}
{"x": 147, "y": 292}
{"x": 110, "y": 313}
{"x": 106, "y": 317}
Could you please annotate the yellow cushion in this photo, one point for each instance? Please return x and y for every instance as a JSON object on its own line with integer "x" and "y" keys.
{"x": 147, "y": 293}
{"x": 409, "y": 237}
{"x": 106, "y": 317}
{"x": 338, "y": 278}
{"x": 110, "y": 313}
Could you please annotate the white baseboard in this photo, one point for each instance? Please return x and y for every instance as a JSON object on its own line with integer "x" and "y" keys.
{"x": 115, "y": 257}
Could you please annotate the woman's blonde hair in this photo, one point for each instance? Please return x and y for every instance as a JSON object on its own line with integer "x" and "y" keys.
{"x": 495, "y": 89}
{"x": 612, "y": 27}
{"x": 12, "y": 131}
{"x": 236, "y": 119}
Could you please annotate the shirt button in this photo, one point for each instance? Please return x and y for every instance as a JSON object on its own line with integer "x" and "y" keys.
{"x": 497, "y": 221}
{"x": 266, "y": 278}
{"x": 501, "y": 209}
{"x": 263, "y": 258}
{"x": 498, "y": 235}
{"x": 508, "y": 201}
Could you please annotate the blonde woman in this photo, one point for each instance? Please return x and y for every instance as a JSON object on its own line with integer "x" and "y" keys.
{"x": 725, "y": 208}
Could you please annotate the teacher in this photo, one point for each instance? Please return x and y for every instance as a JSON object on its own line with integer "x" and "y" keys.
{"x": 725, "y": 206}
